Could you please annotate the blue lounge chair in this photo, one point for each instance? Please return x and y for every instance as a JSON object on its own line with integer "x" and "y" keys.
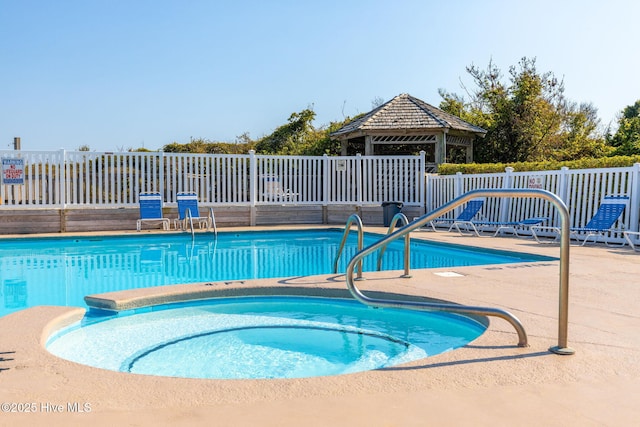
{"x": 151, "y": 210}
{"x": 189, "y": 202}
{"x": 600, "y": 224}
{"x": 463, "y": 220}
{"x": 513, "y": 227}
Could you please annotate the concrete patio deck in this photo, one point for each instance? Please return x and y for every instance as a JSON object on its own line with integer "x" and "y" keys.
{"x": 489, "y": 382}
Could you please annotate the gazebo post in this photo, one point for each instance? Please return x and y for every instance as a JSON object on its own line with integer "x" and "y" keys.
{"x": 440, "y": 149}
{"x": 344, "y": 143}
{"x": 368, "y": 146}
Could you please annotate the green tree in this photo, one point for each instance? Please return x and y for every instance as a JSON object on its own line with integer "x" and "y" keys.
{"x": 626, "y": 140}
{"x": 580, "y": 137}
{"x": 242, "y": 145}
{"x": 527, "y": 119}
{"x": 322, "y": 143}
{"x": 292, "y": 138}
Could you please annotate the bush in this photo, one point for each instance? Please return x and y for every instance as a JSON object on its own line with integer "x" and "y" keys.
{"x": 475, "y": 168}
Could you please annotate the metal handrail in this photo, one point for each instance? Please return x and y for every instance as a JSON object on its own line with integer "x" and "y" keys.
{"x": 190, "y": 219}
{"x": 399, "y": 217}
{"x": 563, "y": 317}
{"x": 353, "y": 218}
{"x": 212, "y": 217}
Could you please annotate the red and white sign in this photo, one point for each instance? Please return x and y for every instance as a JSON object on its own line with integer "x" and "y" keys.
{"x": 13, "y": 171}
{"x": 536, "y": 182}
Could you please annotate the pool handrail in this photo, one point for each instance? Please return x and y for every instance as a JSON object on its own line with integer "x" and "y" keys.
{"x": 353, "y": 218}
{"x": 212, "y": 219}
{"x": 211, "y": 222}
{"x": 189, "y": 220}
{"x": 563, "y": 317}
{"x": 399, "y": 217}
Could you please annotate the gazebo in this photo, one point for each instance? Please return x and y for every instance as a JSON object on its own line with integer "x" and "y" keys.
{"x": 406, "y": 120}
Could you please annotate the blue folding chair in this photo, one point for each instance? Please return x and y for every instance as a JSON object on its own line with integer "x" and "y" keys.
{"x": 513, "y": 227}
{"x": 189, "y": 202}
{"x": 151, "y": 211}
{"x": 464, "y": 219}
{"x": 600, "y": 224}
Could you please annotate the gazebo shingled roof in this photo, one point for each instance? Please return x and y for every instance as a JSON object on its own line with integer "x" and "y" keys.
{"x": 405, "y": 115}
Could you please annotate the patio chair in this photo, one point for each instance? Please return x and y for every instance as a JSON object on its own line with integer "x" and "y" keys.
{"x": 600, "y": 224}
{"x": 463, "y": 220}
{"x": 151, "y": 211}
{"x": 189, "y": 202}
{"x": 273, "y": 190}
{"x": 513, "y": 227}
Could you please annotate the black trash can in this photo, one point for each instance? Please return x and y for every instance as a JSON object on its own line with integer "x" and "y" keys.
{"x": 389, "y": 209}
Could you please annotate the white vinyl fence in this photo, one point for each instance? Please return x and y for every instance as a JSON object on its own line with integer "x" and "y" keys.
{"x": 581, "y": 190}
{"x": 62, "y": 179}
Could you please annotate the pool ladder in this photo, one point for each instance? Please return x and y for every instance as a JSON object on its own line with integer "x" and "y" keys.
{"x": 355, "y": 219}
{"x": 211, "y": 223}
{"x": 563, "y": 318}
{"x": 399, "y": 217}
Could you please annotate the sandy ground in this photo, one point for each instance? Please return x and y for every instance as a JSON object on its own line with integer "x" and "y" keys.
{"x": 491, "y": 381}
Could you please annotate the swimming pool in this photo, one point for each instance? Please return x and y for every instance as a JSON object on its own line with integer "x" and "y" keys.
{"x": 62, "y": 270}
{"x": 262, "y": 337}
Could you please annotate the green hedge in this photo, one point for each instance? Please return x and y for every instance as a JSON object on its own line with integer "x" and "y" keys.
{"x": 475, "y": 168}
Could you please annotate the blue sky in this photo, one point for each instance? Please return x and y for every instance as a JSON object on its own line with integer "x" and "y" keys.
{"x": 120, "y": 74}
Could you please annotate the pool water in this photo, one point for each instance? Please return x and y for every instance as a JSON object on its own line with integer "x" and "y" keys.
{"x": 261, "y": 337}
{"x": 62, "y": 271}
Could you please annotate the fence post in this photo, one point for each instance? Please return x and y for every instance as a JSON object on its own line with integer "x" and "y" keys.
{"x": 358, "y": 197}
{"x": 505, "y": 203}
{"x": 253, "y": 186}
{"x": 458, "y": 189}
{"x": 325, "y": 180}
{"x": 634, "y": 202}
{"x": 562, "y": 186}
{"x": 423, "y": 183}
{"x": 62, "y": 178}
{"x": 161, "y": 177}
